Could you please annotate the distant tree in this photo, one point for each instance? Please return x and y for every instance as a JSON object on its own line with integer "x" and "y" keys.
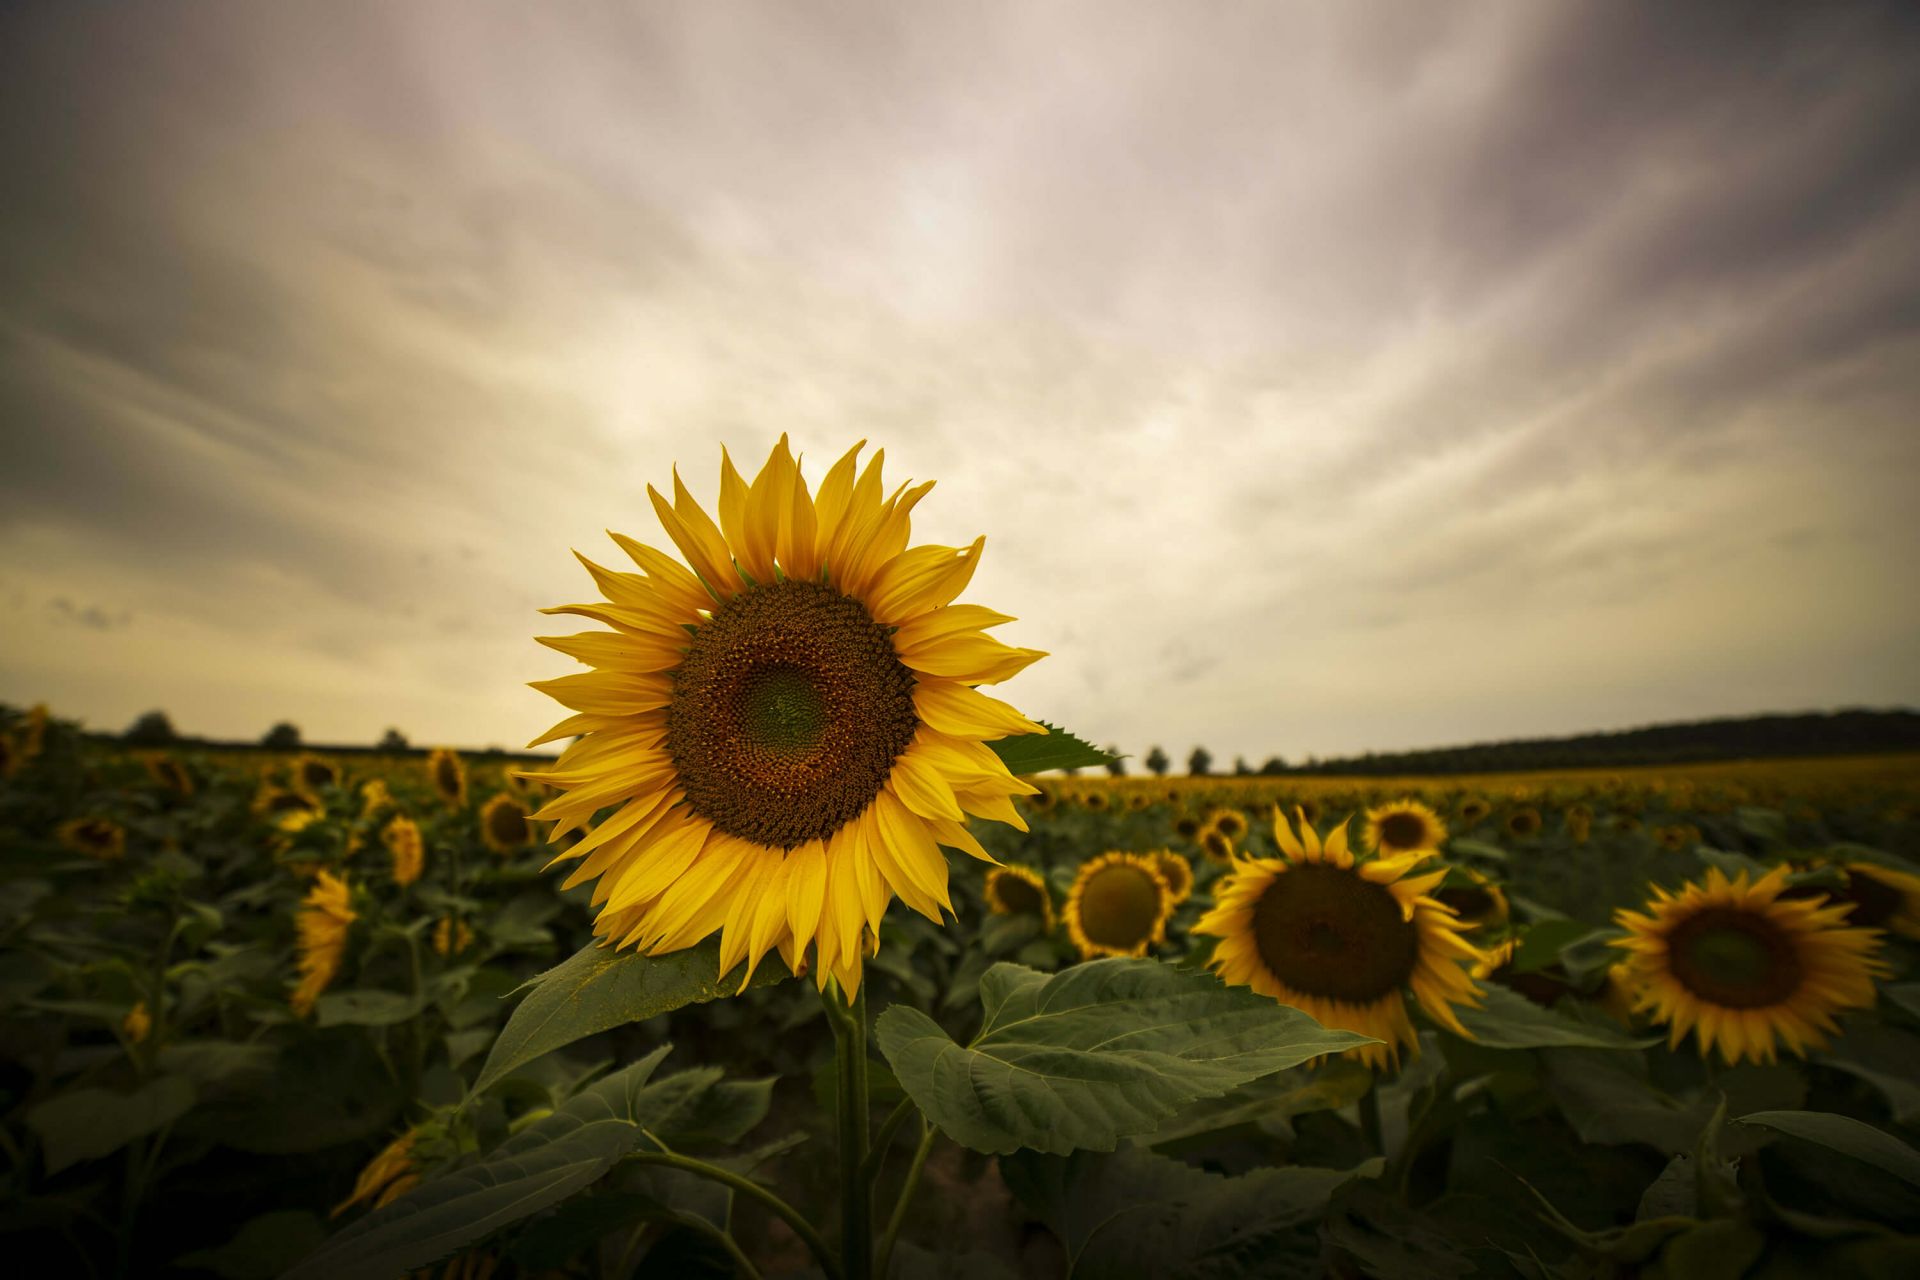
{"x": 1072, "y": 771}
{"x": 1157, "y": 762}
{"x": 1274, "y": 767}
{"x": 153, "y": 729}
{"x": 1200, "y": 763}
{"x": 1116, "y": 766}
{"x": 1241, "y": 769}
{"x": 393, "y": 740}
{"x": 284, "y": 736}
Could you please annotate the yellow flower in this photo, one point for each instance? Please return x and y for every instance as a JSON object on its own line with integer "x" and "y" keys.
{"x": 450, "y": 936}
{"x": 1216, "y": 844}
{"x": 1176, "y": 871}
{"x": 296, "y": 821}
{"x": 1017, "y": 891}
{"x": 448, "y": 773}
{"x": 1230, "y": 823}
{"x": 1118, "y": 906}
{"x": 1342, "y": 939}
{"x": 101, "y": 838}
{"x": 1404, "y": 826}
{"x": 1677, "y": 837}
{"x": 374, "y": 797}
{"x": 1187, "y": 826}
{"x": 137, "y": 1024}
{"x": 1478, "y": 902}
{"x": 1098, "y": 801}
{"x": 1744, "y": 968}
{"x": 503, "y": 824}
{"x": 1882, "y": 898}
{"x": 312, "y": 772}
{"x": 401, "y": 835}
{"x": 323, "y": 921}
{"x": 387, "y": 1177}
{"x": 170, "y": 773}
{"x": 790, "y": 726}
{"x": 1523, "y": 824}
{"x": 1473, "y": 811}
{"x": 272, "y": 803}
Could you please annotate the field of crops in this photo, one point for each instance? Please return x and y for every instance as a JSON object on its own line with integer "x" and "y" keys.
{"x": 259, "y": 1004}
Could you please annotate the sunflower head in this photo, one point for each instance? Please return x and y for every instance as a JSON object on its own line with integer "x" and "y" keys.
{"x": 325, "y": 917}
{"x": 448, "y": 774}
{"x": 406, "y": 847}
{"x": 1187, "y": 826}
{"x": 1342, "y": 939}
{"x": 1745, "y": 968}
{"x": 1118, "y": 906}
{"x": 1474, "y": 900}
{"x": 1473, "y": 810}
{"x": 1875, "y": 896}
{"x": 1676, "y": 837}
{"x": 170, "y": 774}
{"x": 1019, "y": 891}
{"x": 1404, "y": 826}
{"x": 138, "y": 1024}
{"x": 451, "y": 936}
{"x": 1041, "y": 800}
{"x": 1216, "y": 845}
{"x": 1230, "y": 823}
{"x": 1176, "y": 871}
{"x": 314, "y": 773}
{"x": 101, "y": 838}
{"x": 1523, "y": 823}
{"x": 374, "y": 797}
{"x": 503, "y": 824}
{"x": 788, "y": 725}
{"x": 387, "y": 1177}
{"x": 274, "y": 803}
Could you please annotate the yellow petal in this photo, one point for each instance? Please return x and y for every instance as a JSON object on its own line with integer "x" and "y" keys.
{"x": 968, "y": 713}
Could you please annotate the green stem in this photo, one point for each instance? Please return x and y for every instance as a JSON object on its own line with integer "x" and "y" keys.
{"x": 724, "y": 1239}
{"x": 753, "y": 1190}
{"x": 1370, "y": 1119}
{"x": 856, "y": 1193}
{"x": 883, "y": 1138}
{"x": 899, "y": 1214}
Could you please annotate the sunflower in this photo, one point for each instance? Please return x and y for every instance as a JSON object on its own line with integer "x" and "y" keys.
{"x": 1098, "y": 801}
{"x": 1676, "y": 837}
{"x": 1215, "y": 844}
{"x": 405, "y": 846}
{"x": 1187, "y": 826}
{"x": 1404, "y": 826}
{"x": 1118, "y": 906}
{"x": 312, "y": 772}
{"x": 325, "y": 916}
{"x": 503, "y": 824}
{"x": 1230, "y": 823}
{"x": 1523, "y": 823}
{"x": 272, "y": 802}
{"x": 1876, "y": 897}
{"x": 1579, "y": 820}
{"x": 374, "y": 797}
{"x": 171, "y": 774}
{"x": 138, "y": 1023}
{"x": 1041, "y": 799}
{"x": 451, "y": 936}
{"x": 1745, "y": 968}
{"x": 1138, "y": 801}
{"x": 1342, "y": 939}
{"x": 448, "y": 773}
{"x": 790, "y": 728}
{"x": 1176, "y": 871}
{"x": 101, "y": 838}
{"x": 1474, "y": 899}
{"x": 387, "y": 1177}
{"x": 1019, "y": 891}
{"x": 1473, "y": 811}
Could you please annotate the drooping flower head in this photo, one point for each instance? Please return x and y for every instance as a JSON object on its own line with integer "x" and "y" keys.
{"x": 1176, "y": 871}
{"x": 503, "y": 824}
{"x": 1745, "y": 968}
{"x": 1342, "y": 939}
{"x": 388, "y": 1176}
{"x": 1473, "y": 898}
{"x": 101, "y": 838}
{"x": 1118, "y": 906}
{"x": 406, "y": 847}
{"x": 325, "y": 916}
{"x": 788, "y": 723}
{"x": 448, "y": 774}
{"x": 313, "y": 773}
{"x": 1019, "y": 891}
{"x": 1404, "y": 826}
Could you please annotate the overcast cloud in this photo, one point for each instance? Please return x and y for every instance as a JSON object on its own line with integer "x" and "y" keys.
{"x": 1324, "y": 377}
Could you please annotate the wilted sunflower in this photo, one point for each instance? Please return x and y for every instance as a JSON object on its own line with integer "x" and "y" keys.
{"x": 1176, "y": 871}
{"x": 1216, "y": 845}
{"x": 1473, "y": 898}
{"x": 451, "y": 936}
{"x": 101, "y": 838}
{"x": 1019, "y": 891}
{"x": 1876, "y": 897}
{"x": 1230, "y": 823}
{"x": 503, "y": 824}
{"x": 791, "y": 726}
{"x": 1523, "y": 823}
{"x": 448, "y": 773}
{"x": 405, "y": 846}
{"x": 387, "y": 1177}
{"x": 1118, "y": 906}
{"x": 1473, "y": 811}
{"x": 1404, "y": 826}
{"x": 312, "y": 772}
{"x": 324, "y": 919}
{"x": 1342, "y": 939}
{"x": 138, "y": 1023}
{"x": 171, "y": 774}
{"x": 1745, "y": 968}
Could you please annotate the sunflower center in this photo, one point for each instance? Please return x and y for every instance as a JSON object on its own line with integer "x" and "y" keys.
{"x": 1874, "y": 901}
{"x": 1403, "y": 831}
{"x": 1017, "y": 895}
{"x": 1119, "y": 907}
{"x": 788, "y": 713}
{"x": 1469, "y": 903}
{"x": 1325, "y": 931}
{"x": 1733, "y": 958}
{"x": 508, "y": 823}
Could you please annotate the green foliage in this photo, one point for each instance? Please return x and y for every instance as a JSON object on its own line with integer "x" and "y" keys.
{"x": 1847, "y": 1136}
{"x": 1054, "y": 749}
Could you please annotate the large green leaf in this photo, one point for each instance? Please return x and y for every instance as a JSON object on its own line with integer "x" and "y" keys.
{"x": 1268, "y": 1100}
{"x": 85, "y": 1124}
{"x": 600, "y": 988}
{"x": 541, "y": 1165}
{"x": 1136, "y": 1214}
{"x": 1100, "y": 1052}
{"x": 365, "y": 1008}
{"x": 1847, "y": 1136}
{"x": 1508, "y": 1020}
{"x": 1054, "y": 749}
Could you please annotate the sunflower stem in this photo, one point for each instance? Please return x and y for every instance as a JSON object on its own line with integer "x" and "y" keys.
{"x": 856, "y": 1193}
{"x": 883, "y": 1139}
{"x": 748, "y": 1187}
{"x": 899, "y": 1215}
{"x": 1370, "y": 1119}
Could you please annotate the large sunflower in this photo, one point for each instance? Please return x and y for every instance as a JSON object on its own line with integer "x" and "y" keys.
{"x": 1744, "y": 967}
{"x": 1118, "y": 906}
{"x": 788, "y": 724}
{"x": 1342, "y": 939}
{"x": 1403, "y": 826}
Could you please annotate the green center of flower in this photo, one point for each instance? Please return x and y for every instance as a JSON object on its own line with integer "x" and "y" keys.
{"x": 1119, "y": 907}
{"x": 1325, "y": 931}
{"x": 1736, "y": 959}
{"x": 788, "y": 713}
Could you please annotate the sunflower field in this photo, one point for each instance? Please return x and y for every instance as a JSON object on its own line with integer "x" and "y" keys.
{"x": 648, "y": 1008}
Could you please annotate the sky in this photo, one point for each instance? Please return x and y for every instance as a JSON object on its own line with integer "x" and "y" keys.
{"x": 1324, "y": 377}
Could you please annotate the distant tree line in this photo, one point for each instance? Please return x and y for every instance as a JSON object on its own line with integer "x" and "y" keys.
{"x": 155, "y": 729}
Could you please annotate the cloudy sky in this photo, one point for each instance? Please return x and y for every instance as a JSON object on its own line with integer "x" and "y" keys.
{"x": 1324, "y": 377}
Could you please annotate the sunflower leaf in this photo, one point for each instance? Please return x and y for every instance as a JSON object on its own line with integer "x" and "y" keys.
{"x": 1508, "y": 1020}
{"x": 541, "y": 1165}
{"x": 1103, "y": 1051}
{"x": 1054, "y": 749}
{"x": 1846, "y": 1135}
{"x": 600, "y": 988}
